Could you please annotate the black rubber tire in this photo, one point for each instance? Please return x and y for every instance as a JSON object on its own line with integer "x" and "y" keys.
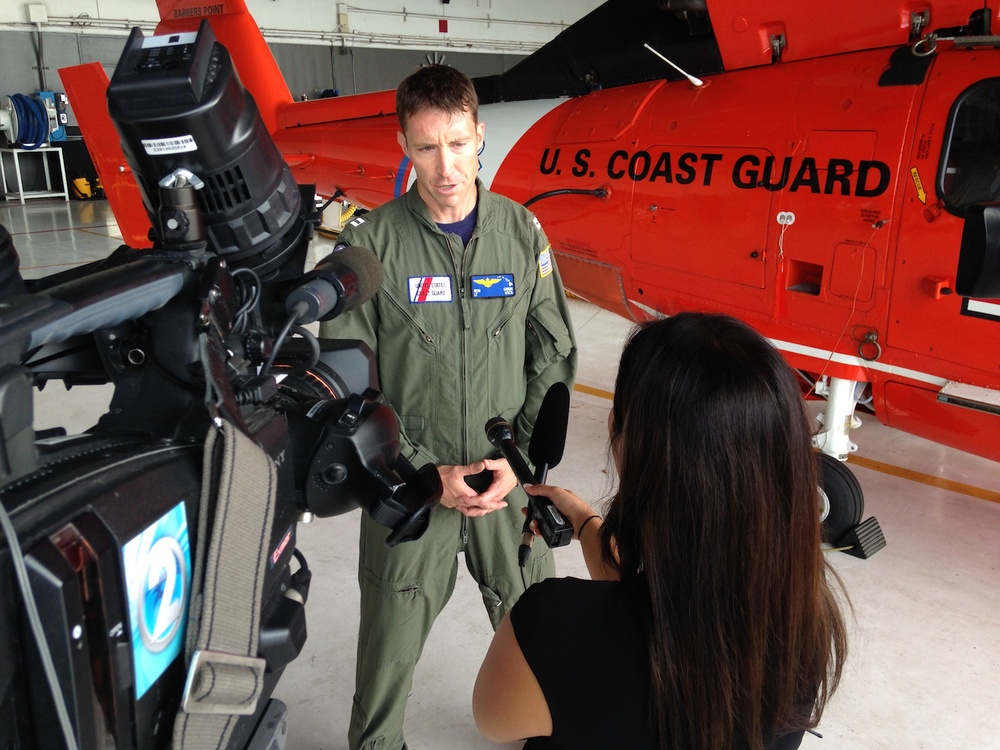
{"x": 845, "y": 498}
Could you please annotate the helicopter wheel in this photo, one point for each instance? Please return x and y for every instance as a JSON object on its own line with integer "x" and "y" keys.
{"x": 842, "y": 502}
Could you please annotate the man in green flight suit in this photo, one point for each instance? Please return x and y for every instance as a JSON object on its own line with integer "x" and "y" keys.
{"x": 470, "y": 322}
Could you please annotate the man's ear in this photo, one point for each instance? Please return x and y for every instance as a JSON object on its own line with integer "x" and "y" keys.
{"x": 401, "y": 140}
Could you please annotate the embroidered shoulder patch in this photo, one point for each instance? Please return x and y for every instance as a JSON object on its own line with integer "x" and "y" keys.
{"x": 545, "y": 262}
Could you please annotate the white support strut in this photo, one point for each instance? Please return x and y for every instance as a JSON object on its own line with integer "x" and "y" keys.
{"x": 839, "y": 418}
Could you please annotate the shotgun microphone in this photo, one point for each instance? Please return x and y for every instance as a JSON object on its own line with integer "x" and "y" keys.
{"x": 343, "y": 280}
{"x": 545, "y": 450}
{"x": 548, "y": 439}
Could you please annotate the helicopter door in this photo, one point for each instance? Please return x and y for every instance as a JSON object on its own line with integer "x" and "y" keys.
{"x": 970, "y": 187}
{"x": 946, "y": 288}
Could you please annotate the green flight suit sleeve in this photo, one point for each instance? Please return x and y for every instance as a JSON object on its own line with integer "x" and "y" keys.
{"x": 551, "y": 342}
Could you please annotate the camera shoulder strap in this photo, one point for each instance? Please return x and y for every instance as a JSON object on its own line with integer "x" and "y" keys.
{"x": 225, "y": 677}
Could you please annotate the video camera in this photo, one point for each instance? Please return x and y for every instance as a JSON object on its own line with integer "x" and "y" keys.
{"x": 147, "y": 591}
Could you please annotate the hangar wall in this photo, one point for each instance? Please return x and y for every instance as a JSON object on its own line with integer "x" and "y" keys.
{"x": 309, "y": 69}
{"x": 318, "y": 46}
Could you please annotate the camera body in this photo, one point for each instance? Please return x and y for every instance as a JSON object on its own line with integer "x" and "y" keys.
{"x": 107, "y": 533}
{"x": 97, "y": 523}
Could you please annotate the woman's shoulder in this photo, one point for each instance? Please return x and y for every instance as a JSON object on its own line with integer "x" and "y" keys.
{"x": 567, "y": 601}
{"x": 572, "y": 589}
{"x": 582, "y": 641}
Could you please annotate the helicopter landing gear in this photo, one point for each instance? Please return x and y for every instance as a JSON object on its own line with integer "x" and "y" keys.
{"x": 842, "y": 502}
{"x": 841, "y": 506}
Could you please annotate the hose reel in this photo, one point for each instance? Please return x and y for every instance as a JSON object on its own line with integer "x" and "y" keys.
{"x": 27, "y": 121}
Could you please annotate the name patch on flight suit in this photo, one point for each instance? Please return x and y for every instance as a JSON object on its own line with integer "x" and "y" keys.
{"x": 430, "y": 289}
{"x": 492, "y": 285}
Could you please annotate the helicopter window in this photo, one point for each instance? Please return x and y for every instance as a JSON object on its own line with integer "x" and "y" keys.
{"x": 971, "y": 173}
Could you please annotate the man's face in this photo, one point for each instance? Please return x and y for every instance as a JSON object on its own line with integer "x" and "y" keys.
{"x": 444, "y": 150}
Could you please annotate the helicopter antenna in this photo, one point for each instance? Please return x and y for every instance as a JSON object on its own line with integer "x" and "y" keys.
{"x": 695, "y": 81}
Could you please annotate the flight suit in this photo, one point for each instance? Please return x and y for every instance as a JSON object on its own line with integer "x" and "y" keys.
{"x": 461, "y": 335}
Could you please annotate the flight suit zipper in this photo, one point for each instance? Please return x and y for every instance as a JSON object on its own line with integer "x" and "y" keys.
{"x": 406, "y": 314}
{"x": 463, "y": 336}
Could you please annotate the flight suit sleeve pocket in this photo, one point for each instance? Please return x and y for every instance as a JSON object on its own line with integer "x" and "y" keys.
{"x": 548, "y": 336}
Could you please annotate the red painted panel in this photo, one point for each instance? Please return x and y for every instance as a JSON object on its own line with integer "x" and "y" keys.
{"x": 86, "y": 86}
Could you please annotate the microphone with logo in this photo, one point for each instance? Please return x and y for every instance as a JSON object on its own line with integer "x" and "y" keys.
{"x": 343, "y": 280}
{"x": 548, "y": 439}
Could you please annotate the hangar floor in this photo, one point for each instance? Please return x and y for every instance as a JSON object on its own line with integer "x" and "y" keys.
{"x": 925, "y": 637}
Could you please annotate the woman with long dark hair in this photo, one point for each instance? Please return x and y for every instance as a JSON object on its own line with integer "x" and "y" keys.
{"x": 711, "y": 622}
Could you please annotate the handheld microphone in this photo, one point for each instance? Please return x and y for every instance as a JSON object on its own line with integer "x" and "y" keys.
{"x": 554, "y": 528}
{"x": 501, "y": 434}
{"x": 345, "y": 279}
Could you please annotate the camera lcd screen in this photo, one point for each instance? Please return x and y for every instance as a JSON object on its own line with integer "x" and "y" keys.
{"x": 157, "y": 565}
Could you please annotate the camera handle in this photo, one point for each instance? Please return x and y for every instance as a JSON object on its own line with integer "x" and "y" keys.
{"x": 223, "y": 678}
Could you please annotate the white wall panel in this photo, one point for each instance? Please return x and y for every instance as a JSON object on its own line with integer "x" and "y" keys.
{"x": 473, "y": 25}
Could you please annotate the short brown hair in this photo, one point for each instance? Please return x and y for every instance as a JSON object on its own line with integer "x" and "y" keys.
{"x": 436, "y": 87}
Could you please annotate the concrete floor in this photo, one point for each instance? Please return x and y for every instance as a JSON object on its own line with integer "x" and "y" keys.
{"x": 925, "y": 639}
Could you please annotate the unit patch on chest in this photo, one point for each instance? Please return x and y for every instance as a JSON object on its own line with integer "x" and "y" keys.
{"x": 492, "y": 285}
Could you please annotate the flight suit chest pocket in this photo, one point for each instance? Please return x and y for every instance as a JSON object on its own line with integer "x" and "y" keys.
{"x": 407, "y": 329}
{"x": 411, "y": 366}
{"x": 506, "y": 350}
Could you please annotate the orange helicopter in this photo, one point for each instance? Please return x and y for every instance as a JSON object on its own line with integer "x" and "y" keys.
{"x": 831, "y": 179}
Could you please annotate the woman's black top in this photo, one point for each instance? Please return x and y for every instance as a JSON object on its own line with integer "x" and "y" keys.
{"x": 583, "y": 643}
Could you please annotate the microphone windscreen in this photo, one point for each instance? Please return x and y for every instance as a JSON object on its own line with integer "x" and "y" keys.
{"x": 498, "y": 430}
{"x": 367, "y": 270}
{"x": 548, "y": 438}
